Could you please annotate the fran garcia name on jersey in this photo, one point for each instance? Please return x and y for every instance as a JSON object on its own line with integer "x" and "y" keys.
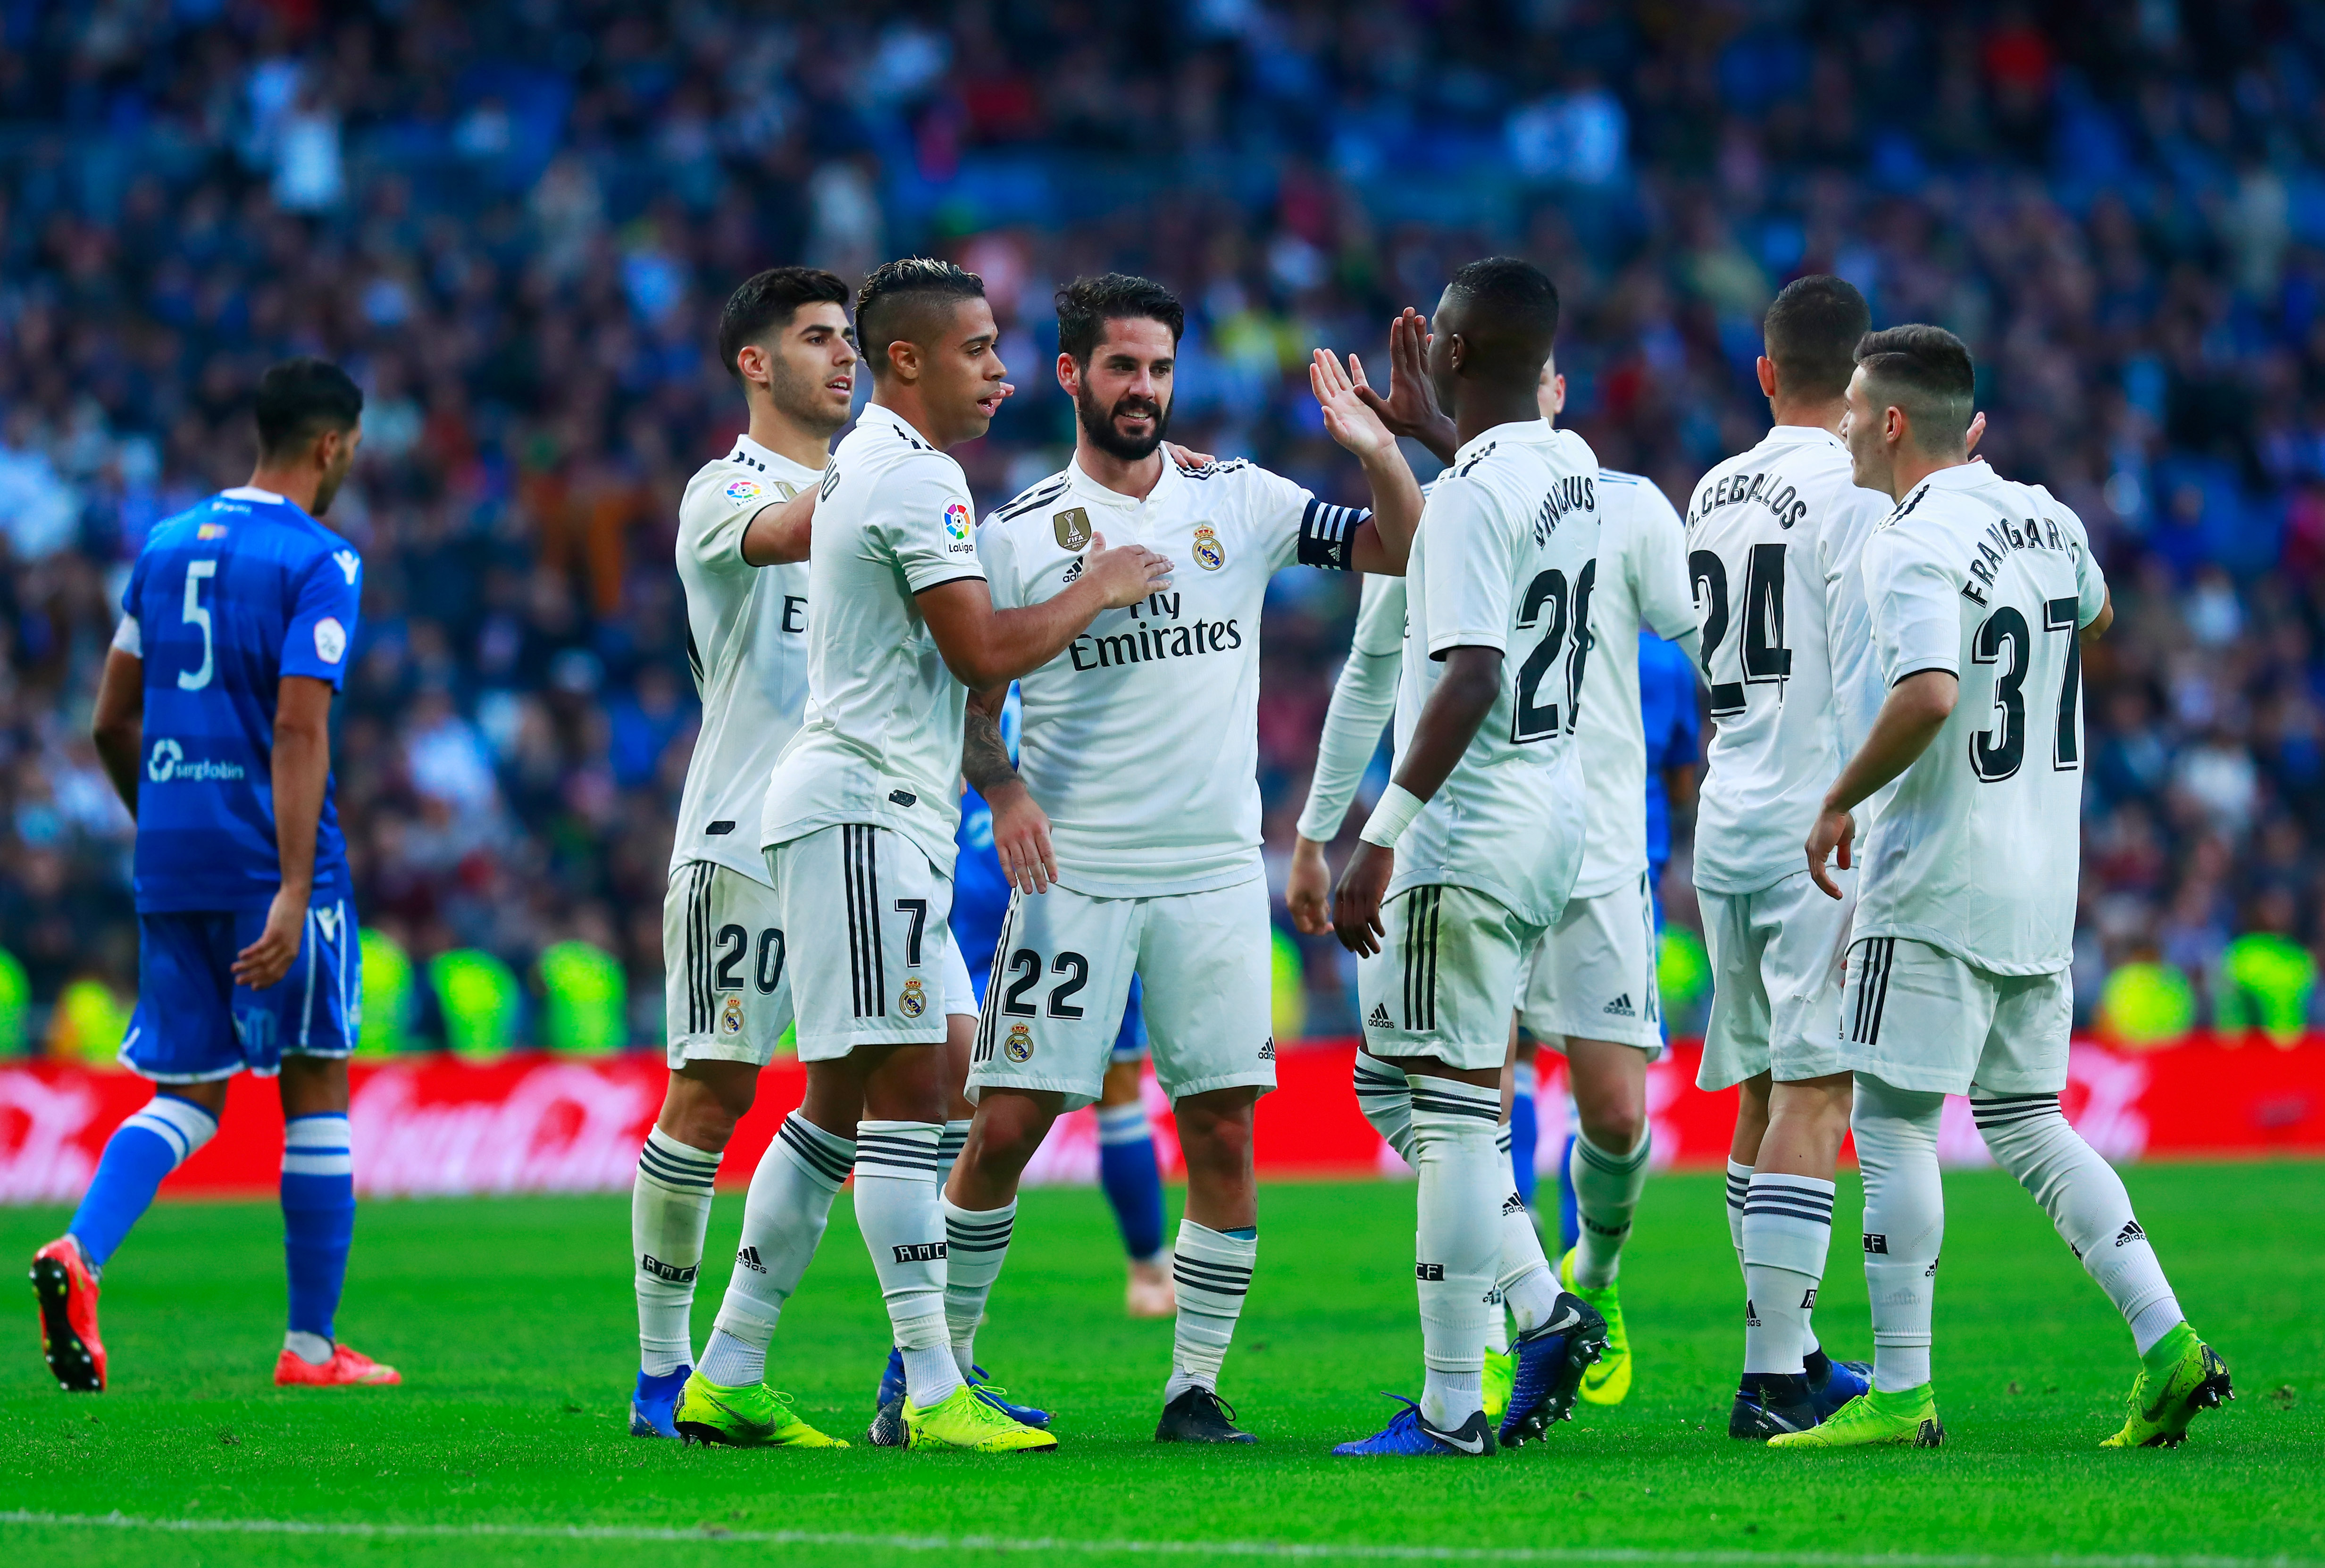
{"x": 1155, "y": 633}
{"x": 2004, "y": 536}
{"x": 1772, "y": 491}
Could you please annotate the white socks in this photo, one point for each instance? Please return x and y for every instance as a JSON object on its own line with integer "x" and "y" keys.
{"x": 1386, "y": 1098}
{"x": 1459, "y": 1244}
{"x": 1787, "y": 1231}
{"x": 783, "y": 1218}
{"x": 1606, "y": 1188}
{"x": 977, "y": 1244}
{"x": 2031, "y": 1139}
{"x": 1212, "y": 1272}
{"x": 900, "y": 1208}
{"x": 670, "y": 1208}
{"x": 1523, "y": 1281}
{"x": 1904, "y": 1224}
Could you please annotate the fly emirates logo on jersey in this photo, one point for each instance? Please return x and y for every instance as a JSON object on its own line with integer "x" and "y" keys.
{"x": 1154, "y": 633}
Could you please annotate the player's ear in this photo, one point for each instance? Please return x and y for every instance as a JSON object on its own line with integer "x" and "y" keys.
{"x": 904, "y": 359}
{"x": 1070, "y": 374}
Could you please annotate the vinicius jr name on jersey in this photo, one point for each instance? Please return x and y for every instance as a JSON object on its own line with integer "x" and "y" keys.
{"x": 1148, "y": 638}
{"x": 1574, "y": 492}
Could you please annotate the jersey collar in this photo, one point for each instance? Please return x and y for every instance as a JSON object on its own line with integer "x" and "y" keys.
{"x": 881, "y": 414}
{"x": 1541, "y": 432}
{"x": 1082, "y": 487}
{"x": 767, "y": 457}
{"x": 252, "y": 493}
{"x": 1802, "y": 435}
{"x": 1967, "y": 475}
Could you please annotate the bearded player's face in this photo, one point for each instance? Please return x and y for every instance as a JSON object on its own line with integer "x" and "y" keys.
{"x": 1122, "y": 395}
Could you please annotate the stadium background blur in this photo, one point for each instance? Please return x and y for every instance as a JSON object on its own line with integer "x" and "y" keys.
{"x": 516, "y": 224}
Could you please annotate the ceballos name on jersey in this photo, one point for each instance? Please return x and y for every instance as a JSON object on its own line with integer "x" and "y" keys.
{"x": 1147, "y": 641}
{"x": 1575, "y": 493}
{"x": 1780, "y": 498}
{"x": 2003, "y": 537}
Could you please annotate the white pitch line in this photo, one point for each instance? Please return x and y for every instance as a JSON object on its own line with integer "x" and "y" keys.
{"x": 711, "y": 1535}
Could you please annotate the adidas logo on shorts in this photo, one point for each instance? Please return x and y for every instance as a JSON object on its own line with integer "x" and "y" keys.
{"x": 1379, "y": 1020}
{"x": 1621, "y": 1007}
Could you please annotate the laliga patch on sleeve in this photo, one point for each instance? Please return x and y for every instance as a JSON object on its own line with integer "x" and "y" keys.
{"x": 330, "y": 640}
{"x": 742, "y": 490}
{"x": 957, "y": 531}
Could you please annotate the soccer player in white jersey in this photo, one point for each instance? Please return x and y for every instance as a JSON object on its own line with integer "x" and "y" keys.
{"x": 1773, "y": 537}
{"x": 858, "y": 825}
{"x": 1474, "y": 847}
{"x": 1981, "y": 593}
{"x": 1595, "y": 970}
{"x": 1133, "y": 836}
{"x": 785, "y": 336}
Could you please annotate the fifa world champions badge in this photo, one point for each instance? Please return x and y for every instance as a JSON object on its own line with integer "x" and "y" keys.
{"x": 1072, "y": 527}
{"x": 1208, "y": 553}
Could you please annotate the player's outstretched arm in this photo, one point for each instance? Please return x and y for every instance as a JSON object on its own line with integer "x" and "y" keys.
{"x": 1382, "y": 542}
{"x": 779, "y": 533}
{"x": 1021, "y": 828}
{"x": 1911, "y": 716}
{"x": 984, "y": 648}
{"x": 301, "y": 768}
{"x": 119, "y": 727}
{"x": 1448, "y": 722}
{"x": 1410, "y": 408}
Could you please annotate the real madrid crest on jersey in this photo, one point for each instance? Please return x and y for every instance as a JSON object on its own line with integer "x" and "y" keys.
{"x": 1019, "y": 1046}
{"x": 913, "y": 1001}
{"x": 1072, "y": 527}
{"x": 1209, "y": 554}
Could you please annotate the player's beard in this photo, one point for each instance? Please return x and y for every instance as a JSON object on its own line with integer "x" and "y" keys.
{"x": 328, "y": 488}
{"x": 800, "y": 398}
{"x": 1099, "y": 424}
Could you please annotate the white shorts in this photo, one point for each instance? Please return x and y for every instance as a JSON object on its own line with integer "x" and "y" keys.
{"x": 726, "y": 995}
{"x": 866, "y": 913}
{"x": 1062, "y": 975}
{"x": 1775, "y": 981}
{"x": 959, "y": 993}
{"x": 1592, "y": 975}
{"x": 1442, "y": 984}
{"x": 1916, "y": 1017}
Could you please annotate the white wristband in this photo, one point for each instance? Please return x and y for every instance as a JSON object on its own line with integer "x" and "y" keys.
{"x": 1398, "y": 808}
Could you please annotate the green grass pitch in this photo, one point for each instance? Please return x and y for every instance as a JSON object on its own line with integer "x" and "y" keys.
{"x": 512, "y": 1323}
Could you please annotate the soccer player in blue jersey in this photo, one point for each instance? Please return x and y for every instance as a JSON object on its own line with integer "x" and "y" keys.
{"x": 213, "y": 719}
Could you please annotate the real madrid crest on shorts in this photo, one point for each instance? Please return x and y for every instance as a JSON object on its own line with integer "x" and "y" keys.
{"x": 1208, "y": 553}
{"x": 1019, "y": 1046}
{"x": 730, "y": 1016}
{"x": 1072, "y": 527}
{"x": 913, "y": 1001}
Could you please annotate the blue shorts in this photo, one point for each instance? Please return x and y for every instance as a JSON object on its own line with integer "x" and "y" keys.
{"x": 194, "y": 1024}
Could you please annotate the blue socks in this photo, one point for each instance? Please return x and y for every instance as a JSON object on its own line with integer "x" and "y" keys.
{"x": 142, "y": 1150}
{"x": 1127, "y": 1168}
{"x": 318, "y": 1218}
{"x": 1570, "y": 1217}
{"x": 1525, "y": 1129}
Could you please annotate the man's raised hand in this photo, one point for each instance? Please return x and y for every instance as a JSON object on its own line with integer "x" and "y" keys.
{"x": 1127, "y": 573}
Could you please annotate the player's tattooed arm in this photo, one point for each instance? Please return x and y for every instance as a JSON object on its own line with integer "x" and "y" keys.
{"x": 779, "y": 532}
{"x": 119, "y": 726}
{"x": 1448, "y": 722}
{"x": 1021, "y": 828}
{"x": 1911, "y": 716}
{"x": 1382, "y": 542}
{"x": 302, "y": 770}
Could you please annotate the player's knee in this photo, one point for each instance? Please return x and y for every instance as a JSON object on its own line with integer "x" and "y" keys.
{"x": 705, "y": 1101}
{"x": 309, "y": 1086}
{"x": 1214, "y": 1138}
{"x": 1615, "y": 1125}
{"x": 1008, "y": 1130}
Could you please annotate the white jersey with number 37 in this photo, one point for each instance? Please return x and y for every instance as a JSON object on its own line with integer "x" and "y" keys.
{"x": 1506, "y": 559}
{"x": 1773, "y": 539}
{"x": 1979, "y": 849}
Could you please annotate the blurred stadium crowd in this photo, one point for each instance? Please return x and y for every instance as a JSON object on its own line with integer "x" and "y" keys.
{"x": 515, "y": 223}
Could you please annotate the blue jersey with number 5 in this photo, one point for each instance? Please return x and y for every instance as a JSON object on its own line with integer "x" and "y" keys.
{"x": 225, "y": 600}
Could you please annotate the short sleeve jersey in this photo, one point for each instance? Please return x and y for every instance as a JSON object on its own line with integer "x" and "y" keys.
{"x": 225, "y": 600}
{"x": 746, "y": 643}
{"x": 1642, "y": 585}
{"x": 1141, "y": 741}
{"x": 880, "y": 739}
{"x": 1506, "y": 559}
{"x": 1978, "y": 847}
{"x": 1771, "y": 535}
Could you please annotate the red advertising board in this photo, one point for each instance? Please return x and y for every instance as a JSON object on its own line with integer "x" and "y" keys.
{"x": 440, "y": 1126}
